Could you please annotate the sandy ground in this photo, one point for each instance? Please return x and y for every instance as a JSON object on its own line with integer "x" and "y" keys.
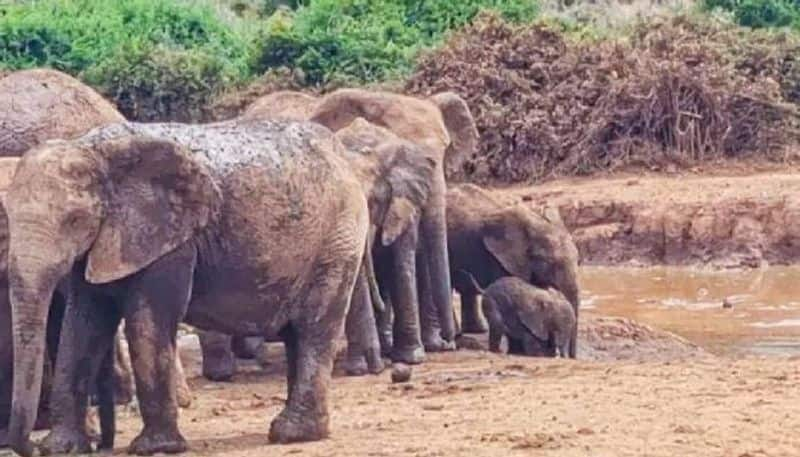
{"x": 481, "y": 404}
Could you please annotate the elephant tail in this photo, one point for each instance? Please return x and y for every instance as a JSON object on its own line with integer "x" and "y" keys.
{"x": 369, "y": 272}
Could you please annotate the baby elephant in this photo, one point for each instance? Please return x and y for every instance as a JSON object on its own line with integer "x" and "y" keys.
{"x": 536, "y": 322}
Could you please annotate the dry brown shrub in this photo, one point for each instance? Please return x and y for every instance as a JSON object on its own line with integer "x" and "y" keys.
{"x": 547, "y": 104}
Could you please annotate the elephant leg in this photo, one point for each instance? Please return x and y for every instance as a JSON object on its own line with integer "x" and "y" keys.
{"x": 87, "y": 339}
{"x": 495, "y": 338}
{"x": 407, "y": 346}
{"x": 246, "y": 347}
{"x": 219, "y": 362}
{"x": 106, "y": 404}
{"x": 156, "y": 302}
{"x": 183, "y": 390}
{"x": 311, "y": 347}
{"x": 122, "y": 372}
{"x": 429, "y": 314}
{"x": 515, "y": 346}
{"x": 363, "y": 347}
{"x": 433, "y": 226}
{"x": 384, "y": 321}
{"x": 472, "y": 320}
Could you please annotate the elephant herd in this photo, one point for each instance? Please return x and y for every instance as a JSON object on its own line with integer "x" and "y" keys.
{"x": 301, "y": 221}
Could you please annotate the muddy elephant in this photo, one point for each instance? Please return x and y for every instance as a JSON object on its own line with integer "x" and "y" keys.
{"x": 159, "y": 223}
{"x": 107, "y": 383}
{"x": 534, "y": 321}
{"x": 444, "y": 128}
{"x": 41, "y": 104}
{"x": 490, "y": 240}
{"x": 397, "y": 177}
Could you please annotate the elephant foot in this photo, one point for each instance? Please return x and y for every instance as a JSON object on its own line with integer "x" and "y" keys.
{"x": 375, "y": 363}
{"x": 387, "y": 342}
{"x": 355, "y": 366}
{"x": 151, "y": 442}
{"x": 361, "y": 365}
{"x": 475, "y": 326}
{"x": 410, "y": 356}
{"x": 246, "y": 348}
{"x": 3, "y": 438}
{"x": 219, "y": 370}
{"x": 435, "y": 343}
{"x": 60, "y": 441}
{"x": 291, "y": 427}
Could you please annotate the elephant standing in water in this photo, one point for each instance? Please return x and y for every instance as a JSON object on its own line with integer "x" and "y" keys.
{"x": 445, "y": 131}
{"x": 158, "y": 223}
{"x": 491, "y": 240}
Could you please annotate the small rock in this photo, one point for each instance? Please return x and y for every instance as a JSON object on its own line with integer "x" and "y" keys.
{"x": 727, "y": 303}
{"x": 401, "y": 373}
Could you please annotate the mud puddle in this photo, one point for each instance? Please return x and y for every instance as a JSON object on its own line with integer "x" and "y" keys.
{"x": 724, "y": 311}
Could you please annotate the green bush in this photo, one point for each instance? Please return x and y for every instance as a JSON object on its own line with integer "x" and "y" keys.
{"x": 168, "y": 48}
{"x": 760, "y": 13}
{"x": 367, "y": 40}
{"x": 161, "y": 83}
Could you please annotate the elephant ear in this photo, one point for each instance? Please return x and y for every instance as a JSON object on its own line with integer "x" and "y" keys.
{"x": 409, "y": 174}
{"x": 533, "y": 319}
{"x": 508, "y": 243}
{"x": 158, "y": 197}
{"x": 461, "y": 128}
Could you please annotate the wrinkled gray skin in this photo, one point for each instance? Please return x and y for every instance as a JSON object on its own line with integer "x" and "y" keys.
{"x": 158, "y": 223}
{"x": 490, "y": 240}
{"x": 535, "y": 322}
{"x": 109, "y": 386}
{"x": 444, "y": 130}
{"x": 220, "y": 352}
{"x": 397, "y": 177}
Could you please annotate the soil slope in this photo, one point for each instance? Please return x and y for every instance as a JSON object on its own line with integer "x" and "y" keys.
{"x": 678, "y": 220}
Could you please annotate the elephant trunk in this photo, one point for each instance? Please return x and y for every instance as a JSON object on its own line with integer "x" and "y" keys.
{"x": 31, "y": 291}
{"x": 434, "y": 233}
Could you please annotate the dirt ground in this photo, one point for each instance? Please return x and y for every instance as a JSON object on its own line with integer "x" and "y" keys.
{"x": 481, "y": 404}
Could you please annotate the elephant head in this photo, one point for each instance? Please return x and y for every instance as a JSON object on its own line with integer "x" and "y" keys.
{"x": 397, "y": 176}
{"x": 444, "y": 128}
{"x": 115, "y": 199}
{"x": 537, "y": 248}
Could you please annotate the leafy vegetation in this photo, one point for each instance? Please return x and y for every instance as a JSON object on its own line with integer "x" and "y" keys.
{"x": 760, "y": 13}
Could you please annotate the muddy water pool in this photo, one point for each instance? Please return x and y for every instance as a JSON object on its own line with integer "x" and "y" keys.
{"x": 762, "y": 316}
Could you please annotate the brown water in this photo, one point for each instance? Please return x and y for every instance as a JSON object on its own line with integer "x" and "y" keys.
{"x": 764, "y": 317}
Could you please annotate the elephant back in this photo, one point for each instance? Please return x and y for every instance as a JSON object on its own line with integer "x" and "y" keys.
{"x": 39, "y": 105}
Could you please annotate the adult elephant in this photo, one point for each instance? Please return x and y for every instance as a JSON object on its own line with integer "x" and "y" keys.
{"x": 444, "y": 128}
{"x": 397, "y": 177}
{"x": 109, "y": 383}
{"x": 491, "y": 240}
{"x": 35, "y": 106}
{"x": 152, "y": 232}
{"x": 114, "y": 383}
{"x": 41, "y": 104}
